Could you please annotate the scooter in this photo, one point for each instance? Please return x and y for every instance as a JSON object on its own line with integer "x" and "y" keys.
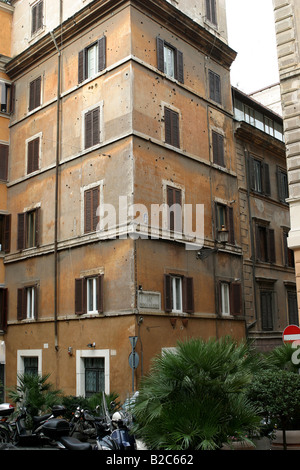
{"x": 6, "y": 410}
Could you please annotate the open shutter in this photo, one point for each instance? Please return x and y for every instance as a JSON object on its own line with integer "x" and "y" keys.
{"x": 235, "y": 299}
{"x": 81, "y": 67}
{"x": 3, "y": 161}
{"x": 231, "y": 237}
{"x": 21, "y": 304}
{"x": 21, "y": 231}
{"x": 80, "y": 304}
{"x": 179, "y": 65}
{"x": 12, "y": 98}
{"x": 100, "y": 293}
{"x": 168, "y": 293}
{"x": 102, "y": 54}
{"x": 31, "y": 95}
{"x": 175, "y": 129}
{"x": 35, "y": 303}
{"x": 37, "y": 226}
{"x": 271, "y": 246}
{"x": 188, "y": 294}
{"x": 168, "y": 134}
{"x": 266, "y": 179}
{"x": 160, "y": 54}
{"x": 7, "y": 230}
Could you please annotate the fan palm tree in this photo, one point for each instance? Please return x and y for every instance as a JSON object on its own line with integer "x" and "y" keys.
{"x": 195, "y": 398}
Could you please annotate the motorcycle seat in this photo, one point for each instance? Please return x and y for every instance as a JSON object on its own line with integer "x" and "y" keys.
{"x": 73, "y": 444}
{"x": 39, "y": 419}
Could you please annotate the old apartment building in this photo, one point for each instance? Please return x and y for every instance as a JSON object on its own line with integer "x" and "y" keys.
{"x": 270, "y": 298}
{"x": 121, "y": 119}
{"x": 287, "y": 22}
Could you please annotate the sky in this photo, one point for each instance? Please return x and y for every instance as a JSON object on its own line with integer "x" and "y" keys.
{"x": 251, "y": 33}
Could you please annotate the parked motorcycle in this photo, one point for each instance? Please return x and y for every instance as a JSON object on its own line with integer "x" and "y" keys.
{"x": 21, "y": 435}
{"x": 83, "y": 423}
{"x": 6, "y": 410}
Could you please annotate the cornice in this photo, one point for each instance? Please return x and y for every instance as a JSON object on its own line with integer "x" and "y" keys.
{"x": 6, "y": 7}
{"x": 160, "y": 10}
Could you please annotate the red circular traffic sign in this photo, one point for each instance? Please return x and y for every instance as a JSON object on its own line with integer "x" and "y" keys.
{"x": 291, "y": 333}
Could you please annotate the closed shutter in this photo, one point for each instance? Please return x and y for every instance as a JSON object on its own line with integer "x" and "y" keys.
{"x": 271, "y": 246}
{"x": 218, "y": 148}
{"x": 3, "y": 161}
{"x": 92, "y": 127}
{"x": 39, "y": 15}
{"x": 7, "y": 231}
{"x": 35, "y": 93}
{"x": 33, "y": 151}
{"x": 171, "y": 127}
{"x": 96, "y": 126}
{"x": 214, "y": 86}
{"x": 12, "y": 98}
{"x": 266, "y": 310}
{"x": 188, "y": 294}
{"x": 101, "y": 54}
{"x": 21, "y": 304}
{"x": 168, "y": 293}
{"x": 80, "y": 296}
{"x": 95, "y": 205}
{"x": 91, "y": 203}
{"x": 3, "y": 309}
{"x": 293, "y": 308}
{"x": 37, "y": 226}
{"x": 81, "y": 66}
{"x": 174, "y": 199}
{"x": 235, "y": 299}
{"x": 231, "y": 236}
{"x": 36, "y": 303}
{"x": 21, "y": 231}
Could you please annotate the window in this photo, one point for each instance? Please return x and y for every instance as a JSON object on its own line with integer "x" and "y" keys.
{"x": 174, "y": 201}
{"x": 37, "y": 17}
{"x": 3, "y": 309}
{"x": 94, "y": 375}
{"x": 3, "y": 161}
{"x": 27, "y": 303}
{"x": 266, "y": 302}
{"x": 5, "y": 228}
{"x": 211, "y": 11}
{"x": 91, "y": 204}
{"x": 171, "y": 127}
{"x": 289, "y": 259}
{"x": 225, "y": 220}
{"x": 214, "y": 86}
{"x": 5, "y": 95}
{"x": 179, "y": 293}
{"x": 259, "y": 177}
{"x": 89, "y": 294}
{"x": 169, "y": 60}
{"x": 92, "y": 60}
{"x": 230, "y": 298}
{"x": 92, "y": 128}
{"x": 33, "y": 155}
{"x": 218, "y": 148}
{"x": 293, "y": 308}
{"x": 28, "y": 229}
{"x": 35, "y": 93}
{"x": 265, "y": 244}
{"x": 282, "y": 183}
{"x": 31, "y": 365}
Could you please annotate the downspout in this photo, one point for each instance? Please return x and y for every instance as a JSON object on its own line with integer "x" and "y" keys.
{"x": 56, "y": 185}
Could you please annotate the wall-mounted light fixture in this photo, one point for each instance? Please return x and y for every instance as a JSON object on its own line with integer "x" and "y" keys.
{"x": 91, "y": 345}
{"x": 223, "y": 236}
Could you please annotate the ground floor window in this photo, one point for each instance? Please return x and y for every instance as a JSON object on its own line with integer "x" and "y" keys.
{"x": 31, "y": 365}
{"x": 94, "y": 375}
{"x": 29, "y": 361}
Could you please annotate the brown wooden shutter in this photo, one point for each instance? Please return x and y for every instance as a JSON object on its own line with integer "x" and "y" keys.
{"x": 35, "y": 93}
{"x": 88, "y": 129}
{"x": 231, "y": 237}
{"x": 7, "y": 230}
{"x": 81, "y": 67}
{"x": 160, "y": 54}
{"x": 218, "y": 148}
{"x": 175, "y": 129}
{"x": 235, "y": 298}
{"x": 266, "y": 179}
{"x": 179, "y": 66}
{"x": 12, "y": 98}
{"x": 33, "y": 150}
{"x": 39, "y": 15}
{"x": 214, "y": 86}
{"x": 266, "y": 299}
{"x": 96, "y": 126}
{"x": 36, "y": 295}
{"x": 188, "y": 294}
{"x": 3, "y": 161}
{"x": 80, "y": 296}
{"x": 171, "y": 127}
{"x": 95, "y": 205}
{"x": 168, "y": 293}
{"x": 100, "y": 281}
{"x": 168, "y": 126}
{"x": 37, "y": 226}
{"x": 88, "y": 211}
{"x": 31, "y": 95}
{"x": 102, "y": 54}
{"x": 21, "y": 304}
{"x": 21, "y": 231}
{"x": 34, "y": 19}
{"x": 3, "y": 309}
{"x": 271, "y": 245}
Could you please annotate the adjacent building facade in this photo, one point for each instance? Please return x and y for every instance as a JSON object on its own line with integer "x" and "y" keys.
{"x": 287, "y": 21}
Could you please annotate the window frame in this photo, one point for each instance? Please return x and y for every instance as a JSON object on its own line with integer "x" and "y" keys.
{"x": 37, "y": 17}
{"x": 228, "y": 218}
{"x": 211, "y": 12}
{"x": 178, "y": 64}
{"x": 267, "y": 318}
{"x": 265, "y": 235}
{"x": 172, "y": 127}
{"x": 6, "y": 96}
{"x": 83, "y": 60}
{"x": 259, "y": 176}
{"x": 215, "y": 90}
{"x": 33, "y": 153}
{"x": 234, "y": 298}
{"x": 35, "y": 94}
{"x": 27, "y": 296}
{"x": 23, "y": 229}
{"x": 187, "y": 293}
{"x": 81, "y": 294}
{"x": 218, "y": 148}
{"x": 282, "y": 185}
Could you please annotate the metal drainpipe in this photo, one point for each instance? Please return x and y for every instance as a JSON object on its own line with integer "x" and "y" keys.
{"x": 56, "y": 185}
